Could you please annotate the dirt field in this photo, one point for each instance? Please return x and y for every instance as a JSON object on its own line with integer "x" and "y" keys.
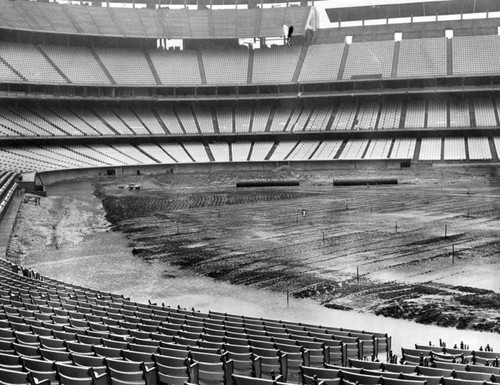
{"x": 394, "y": 236}
{"x": 426, "y": 250}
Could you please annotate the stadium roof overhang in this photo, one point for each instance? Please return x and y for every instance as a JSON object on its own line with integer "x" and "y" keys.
{"x": 417, "y": 8}
{"x": 82, "y": 21}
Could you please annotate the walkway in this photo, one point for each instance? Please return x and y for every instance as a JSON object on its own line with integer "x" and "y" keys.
{"x": 7, "y": 223}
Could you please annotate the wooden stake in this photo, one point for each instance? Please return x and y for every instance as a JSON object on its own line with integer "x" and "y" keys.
{"x": 357, "y": 274}
{"x": 452, "y": 254}
{"x": 446, "y": 231}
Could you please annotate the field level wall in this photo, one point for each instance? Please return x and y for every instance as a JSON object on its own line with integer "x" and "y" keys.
{"x": 50, "y": 177}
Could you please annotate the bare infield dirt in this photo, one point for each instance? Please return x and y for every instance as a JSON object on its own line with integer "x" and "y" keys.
{"x": 394, "y": 236}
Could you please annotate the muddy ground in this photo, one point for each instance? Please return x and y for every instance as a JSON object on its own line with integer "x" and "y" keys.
{"x": 426, "y": 249}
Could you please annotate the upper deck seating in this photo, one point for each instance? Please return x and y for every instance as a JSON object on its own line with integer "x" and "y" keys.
{"x": 322, "y": 63}
{"x": 127, "y": 66}
{"x": 148, "y": 23}
{"x": 373, "y": 58}
{"x": 30, "y": 63}
{"x": 424, "y": 57}
{"x": 8, "y": 75}
{"x": 275, "y": 65}
{"x": 77, "y": 63}
{"x": 176, "y": 67}
{"x": 226, "y": 66}
{"x": 476, "y": 54}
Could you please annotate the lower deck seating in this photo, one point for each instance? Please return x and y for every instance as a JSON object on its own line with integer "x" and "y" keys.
{"x": 403, "y": 148}
{"x": 430, "y": 149}
{"x": 327, "y": 150}
{"x": 378, "y": 149}
{"x": 54, "y": 157}
{"x": 354, "y": 149}
{"x": 8, "y": 187}
{"x": 54, "y": 331}
{"x": 454, "y": 149}
{"x": 479, "y": 148}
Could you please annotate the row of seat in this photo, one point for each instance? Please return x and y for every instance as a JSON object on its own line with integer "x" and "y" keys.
{"x": 8, "y": 187}
{"x": 427, "y": 356}
{"x": 54, "y": 157}
{"x": 367, "y": 372}
{"x": 416, "y": 58}
{"x": 49, "y": 331}
{"x": 186, "y": 121}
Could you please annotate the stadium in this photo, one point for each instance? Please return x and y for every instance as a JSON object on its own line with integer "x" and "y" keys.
{"x": 249, "y": 192}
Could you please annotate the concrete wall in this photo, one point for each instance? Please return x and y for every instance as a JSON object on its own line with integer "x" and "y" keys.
{"x": 50, "y": 177}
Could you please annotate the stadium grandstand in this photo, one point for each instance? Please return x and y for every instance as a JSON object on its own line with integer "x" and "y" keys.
{"x": 122, "y": 87}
